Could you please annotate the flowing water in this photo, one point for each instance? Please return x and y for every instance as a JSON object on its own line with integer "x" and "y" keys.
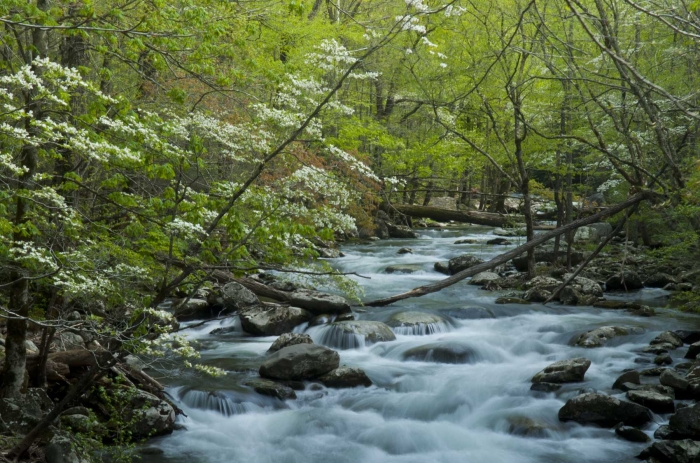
{"x": 419, "y": 409}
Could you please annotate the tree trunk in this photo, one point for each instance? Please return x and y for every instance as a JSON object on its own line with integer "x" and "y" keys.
{"x": 445, "y": 215}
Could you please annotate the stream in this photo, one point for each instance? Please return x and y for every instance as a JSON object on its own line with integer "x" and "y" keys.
{"x": 481, "y": 411}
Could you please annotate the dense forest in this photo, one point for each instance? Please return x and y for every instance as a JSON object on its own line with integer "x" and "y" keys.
{"x": 154, "y": 153}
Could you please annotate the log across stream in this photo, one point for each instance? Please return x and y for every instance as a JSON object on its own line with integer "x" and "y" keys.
{"x": 472, "y": 403}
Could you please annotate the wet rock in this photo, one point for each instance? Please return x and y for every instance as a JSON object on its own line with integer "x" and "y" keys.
{"x": 440, "y": 352}
{"x": 404, "y": 268}
{"x": 61, "y": 449}
{"x": 657, "y": 388}
{"x": 289, "y": 339}
{"x": 511, "y": 300}
{"x": 643, "y": 311}
{"x": 572, "y": 296}
{"x": 632, "y": 434}
{"x": 585, "y": 286}
{"x": 537, "y": 295}
{"x": 319, "y": 303}
{"x": 404, "y": 251}
{"x": 544, "y": 282}
{"x": 672, "y": 379}
{"x": 498, "y": 242}
{"x": 327, "y": 253}
{"x": 526, "y": 427}
{"x": 659, "y": 280}
{"x": 627, "y": 377}
{"x": 654, "y": 401}
{"x": 418, "y": 323}
{"x": 345, "y": 317}
{"x": 457, "y": 264}
{"x": 272, "y": 320}
{"x": 563, "y": 371}
{"x": 686, "y": 422}
{"x": 688, "y": 336}
{"x": 194, "y": 309}
{"x": 668, "y": 337}
{"x": 693, "y": 351}
{"x": 671, "y": 451}
{"x": 372, "y": 331}
{"x": 603, "y": 410}
{"x": 625, "y": 280}
{"x": 599, "y": 336}
{"x": 271, "y": 388}
{"x": 658, "y": 349}
{"x": 401, "y": 231}
{"x": 234, "y": 296}
{"x": 664, "y": 432}
{"x": 615, "y": 305}
{"x": 466, "y": 241}
{"x": 345, "y": 377}
{"x": 663, "y": 359}
{"x": 442, "y": 267}
{"x": 299, "y": 362}
{"x": 321, "y": 320}
{"x": 545, "y": 387}
{"x": 484, "y": 278}
{"x": 656, "y": 371}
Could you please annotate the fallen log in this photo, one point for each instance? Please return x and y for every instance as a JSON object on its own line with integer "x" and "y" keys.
{"x": 445, "y": 215}
{"x": 503, "y": 258}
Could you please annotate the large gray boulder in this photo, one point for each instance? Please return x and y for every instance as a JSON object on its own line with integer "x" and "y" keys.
{"x": 271, "y": 388}
{"x": 625, "y": 280}
{"x": 654, "y": 401}
{"x": 272, "y": 320}
{"x": 300, "y": 362}
{"x": 599, "y": 336}
{"x": 20, "y": 414}
{"x": 343, "y": 377}
{"x": 603, "y": 410}
{"x": 671, "y": 451}
{"x": 585, "y": 286}
{"x": 440, "y": 352}
{"x": 289, "y": 339}
{"x": 235, "y": 296}
{"x": 404, "y": 268}
{"x": 544, "y": 282}
{"x": 319, "y": 303}
{"x": 401, "y": 231}
{"x": 686, "y": 422}
{"x": 668, "y": 338}
{"x": 563, "y": 371}
{"x": 484, "y": 278}
{"x": 193, "y": 309}
{"x": 457, "y": 264}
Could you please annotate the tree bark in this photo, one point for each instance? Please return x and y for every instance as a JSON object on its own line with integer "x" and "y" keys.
{"x": 445, "y": 215}
{"x": 503, "y": 258}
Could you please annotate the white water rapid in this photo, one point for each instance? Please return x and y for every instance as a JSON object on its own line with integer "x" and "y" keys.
{"x": 419, "y": 409}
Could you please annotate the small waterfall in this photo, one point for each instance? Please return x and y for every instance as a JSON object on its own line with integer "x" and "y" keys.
{"x": 334, "y": 337}
{"x": 227, "y": 403}
{"x": 423, "y": 329}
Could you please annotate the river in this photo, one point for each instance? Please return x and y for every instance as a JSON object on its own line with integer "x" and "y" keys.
{"x": 481, "y": 411}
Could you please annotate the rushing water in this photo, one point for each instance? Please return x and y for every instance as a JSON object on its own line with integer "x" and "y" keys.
{"x": 481, "y": 411}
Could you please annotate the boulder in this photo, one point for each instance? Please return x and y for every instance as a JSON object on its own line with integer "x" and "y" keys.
{"x": 663, "y": 359}
{"x": 671, "y": 451}
{"x": 511, "y": 300}
{"x": 563, "y": 371}
{"x": 537, "y": 295}
{"x": 289, "y": 339}
{"x": 632, "y": 434}
{"x": 672, "y": 379}
{"x": 299, "y": 362}
{"x": 147, "y": 415}
{"x": 405, "y": 251}
{"x": 62, "y": 449}
{"x": 343, "y": 377}
{"x": 440, "y": 352}
{"x": 371, "y": 331}
{"x": 466, "y": 241}
{"x": 656, "y": 371}
{"x": 570, "y": 295}
{"x": 418, "y": 323}
{"x": 654, "y": 401}
{"x": 404, "y": 268}
{"x": 499, "y": 242}
{"x": 400, "y": 231}
{"x": 272, "y": 320}
{"x": 234, "y": 296}
{"x": 483, "y": 278}
{"x": 659, "y": 280}
{"x": 20, "y": 414}
{"x": 544, "y": 282}
{"x": 442, "y": 267}
{"x": 693, "y": 351}
{"x": 457, "y": 264}
{"x": 599, "y": 336}
{"x": 194, "y": 309}
{"x": 625, "y": 280}
{"x": 627, "y": 377}
{"x": 668, "y": 337}
{"x": 271, "y": 388}
{"x": 686, "y": 422}
{"x": 319, "y": 303}
{"x": 603, "y": 410}
{"x": 688, "y": 336}
{"x": 545, "y": 387}
{"x": 526, "y": 427}
{"x": 548, "y": 256}
{"x": 585, "y": 286}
